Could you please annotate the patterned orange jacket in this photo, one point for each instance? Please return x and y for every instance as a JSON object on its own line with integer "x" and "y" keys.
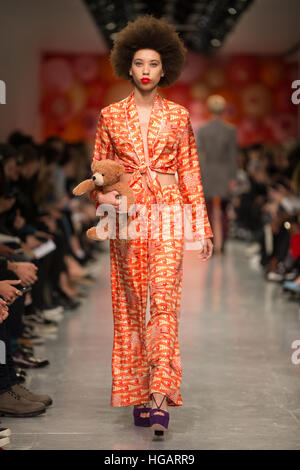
{"x": 171, "y": 146}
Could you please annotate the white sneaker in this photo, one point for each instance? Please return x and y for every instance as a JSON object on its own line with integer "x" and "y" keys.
{"x": 52, "y": 314}
{"x": 44, "y": 330}
{"x": 253, "y": 249}
{"x": 57, "y": 317}
{"x": 58, "y": 309}
{"x": 272, "y": 276}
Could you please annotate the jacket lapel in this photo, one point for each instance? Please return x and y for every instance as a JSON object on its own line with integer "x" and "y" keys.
{"x": 154, "y": 127}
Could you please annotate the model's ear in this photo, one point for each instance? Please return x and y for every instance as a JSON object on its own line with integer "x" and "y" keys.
{"x": 130, "y": 72}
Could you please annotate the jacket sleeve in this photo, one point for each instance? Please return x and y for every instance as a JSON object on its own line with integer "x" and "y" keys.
{"x": 190, "y": 183}
{"x": 103, "y": 149}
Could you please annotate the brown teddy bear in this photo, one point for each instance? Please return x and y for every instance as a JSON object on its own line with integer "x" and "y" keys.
{"x": 106, "y": 178}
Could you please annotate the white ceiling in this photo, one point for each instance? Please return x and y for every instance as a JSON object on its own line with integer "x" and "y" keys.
{"x": 267, "y": 27}
{"x": 54, "y": 25}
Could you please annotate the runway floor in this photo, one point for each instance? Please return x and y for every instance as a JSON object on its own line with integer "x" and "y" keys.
{"x": 240, "y": 388}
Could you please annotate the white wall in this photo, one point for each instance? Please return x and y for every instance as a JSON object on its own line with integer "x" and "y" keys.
{"x": 27, "y": 28}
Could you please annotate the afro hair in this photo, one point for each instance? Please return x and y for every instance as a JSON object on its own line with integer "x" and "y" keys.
{"x": 148, "y": 32}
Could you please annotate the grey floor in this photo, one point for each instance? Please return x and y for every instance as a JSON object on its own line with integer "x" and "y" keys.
{"x": 240, "y": 388}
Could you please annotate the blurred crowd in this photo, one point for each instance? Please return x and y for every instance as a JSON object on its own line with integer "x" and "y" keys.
{"x": 46, "y": 260}
{"x": 265, "y": 210}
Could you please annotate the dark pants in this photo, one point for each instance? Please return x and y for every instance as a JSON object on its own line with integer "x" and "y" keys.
{"x": 8, "y": 376}
{"x": 14, "y": 321}
{"x": 49, "y": 269}
{"x": 281, "y": 244}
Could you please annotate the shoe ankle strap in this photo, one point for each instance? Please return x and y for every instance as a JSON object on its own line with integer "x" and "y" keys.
{"x": 158, "y": 407}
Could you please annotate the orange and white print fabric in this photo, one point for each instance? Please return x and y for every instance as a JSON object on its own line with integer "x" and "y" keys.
{"x": 146, "y": 358}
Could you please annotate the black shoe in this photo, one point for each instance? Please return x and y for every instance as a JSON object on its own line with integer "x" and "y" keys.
{"x": 28, "y": 362}
{"x": 26, "y": 350}
{"x": 37, "y": 319}
{"x": 67, "y": 302}
{"x": 29, "y": 334}
{"x": 21, "y": 372}
{"x": 21, "y": 375}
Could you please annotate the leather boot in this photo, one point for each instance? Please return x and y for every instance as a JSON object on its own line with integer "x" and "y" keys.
{"x": 12, "y": 404}
{"x": 25, "y": 393}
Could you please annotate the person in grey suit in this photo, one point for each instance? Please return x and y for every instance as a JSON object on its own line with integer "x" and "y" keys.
{"x": 217, "y": 152}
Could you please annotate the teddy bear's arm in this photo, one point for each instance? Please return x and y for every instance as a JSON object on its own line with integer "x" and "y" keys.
{"x": 84, "y": 187}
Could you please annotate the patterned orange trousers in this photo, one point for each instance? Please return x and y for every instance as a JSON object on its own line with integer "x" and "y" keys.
{"x": 146, "y": 358}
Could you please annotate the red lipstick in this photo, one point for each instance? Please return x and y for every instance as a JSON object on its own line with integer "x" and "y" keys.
{"x": 145, "y": 80}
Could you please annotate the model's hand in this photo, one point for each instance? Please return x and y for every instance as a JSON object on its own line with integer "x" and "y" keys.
{"x": 113, "y": 198}
{"x": 207, "y": 249}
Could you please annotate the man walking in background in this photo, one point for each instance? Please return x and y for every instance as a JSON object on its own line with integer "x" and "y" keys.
{"x": 217, "y": 153}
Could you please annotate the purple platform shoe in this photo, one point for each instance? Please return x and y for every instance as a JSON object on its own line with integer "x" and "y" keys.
{"x": 159, "y": 423}
{"x": 138, "y": 420}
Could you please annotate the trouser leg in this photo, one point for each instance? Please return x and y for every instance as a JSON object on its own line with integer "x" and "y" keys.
{"x": 146, "y": 359}
{"x": 165, "y": 262}
{"x": 130, "y": 371}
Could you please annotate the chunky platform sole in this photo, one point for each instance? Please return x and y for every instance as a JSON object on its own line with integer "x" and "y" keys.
{"x": 159, "y": 422}
{"x": 158, "y": 429}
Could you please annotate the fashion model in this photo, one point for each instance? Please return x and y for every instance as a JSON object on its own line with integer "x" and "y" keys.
{"x": 153, "y": 139}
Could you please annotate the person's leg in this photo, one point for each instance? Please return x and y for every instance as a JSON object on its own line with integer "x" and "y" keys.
{"x": 165, "y": 261}
{"x": 38, "y": 287}
{"x": 130, "y": 371}
{"x": 281, "y": 244}
{"x": 224, "y": 205}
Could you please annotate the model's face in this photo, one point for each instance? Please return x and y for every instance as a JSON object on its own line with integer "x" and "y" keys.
{"x": 146, "y": 69}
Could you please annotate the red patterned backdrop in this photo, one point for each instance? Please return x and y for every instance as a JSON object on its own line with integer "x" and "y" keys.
{"x": 257, "y": 89}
